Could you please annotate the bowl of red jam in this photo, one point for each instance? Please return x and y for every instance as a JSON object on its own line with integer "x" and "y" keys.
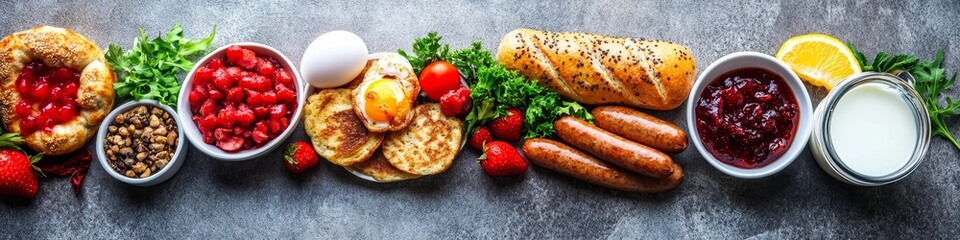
{"x": 749, "y": 115}
{"x": 241, "y": 101}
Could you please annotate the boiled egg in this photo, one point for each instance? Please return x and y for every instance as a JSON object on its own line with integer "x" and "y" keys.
{"x": 383, "y": 101}
{"x": 333, "y": 59}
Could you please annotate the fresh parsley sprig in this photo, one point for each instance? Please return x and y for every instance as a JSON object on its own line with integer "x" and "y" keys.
{"x": 149, "y": 70}
{"x": 930, "y": 80}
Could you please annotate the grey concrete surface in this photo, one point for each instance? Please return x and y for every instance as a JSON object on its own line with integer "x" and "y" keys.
{"x": 259, "y": 199}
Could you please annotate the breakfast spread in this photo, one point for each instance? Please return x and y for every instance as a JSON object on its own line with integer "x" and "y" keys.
{"x": 575, "y": 101}
{"x": 243, "y": 100}
{"x": 596, "y": 69}
{"x": 56, "y": 88}
{"x": 141, "y": 141}
{"x": 747, "y": 118}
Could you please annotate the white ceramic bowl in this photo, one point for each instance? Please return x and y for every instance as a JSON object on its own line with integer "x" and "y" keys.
{"x": 168, "y": 171}
{"x": 193, "y": 133}
{"x": 740, "y": 60}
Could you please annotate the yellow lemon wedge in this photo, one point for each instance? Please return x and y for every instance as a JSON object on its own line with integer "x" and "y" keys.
{"x": 819, "y": 59}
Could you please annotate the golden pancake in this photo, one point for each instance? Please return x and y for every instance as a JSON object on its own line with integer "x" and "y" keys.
{"x": 334, "y": 129}
{"x": 427, "y": 145}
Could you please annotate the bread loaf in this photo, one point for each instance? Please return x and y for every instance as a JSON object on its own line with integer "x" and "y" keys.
{"x": 595, "y": 69}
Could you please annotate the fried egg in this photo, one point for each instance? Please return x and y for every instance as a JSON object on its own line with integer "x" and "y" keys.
{"x": 385, "y": 98}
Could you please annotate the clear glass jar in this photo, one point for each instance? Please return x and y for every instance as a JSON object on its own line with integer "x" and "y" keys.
{"x": 822, "y": 145}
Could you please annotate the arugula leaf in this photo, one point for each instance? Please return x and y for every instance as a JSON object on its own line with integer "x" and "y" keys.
{"x": 150, "y": 68}
{"x": 930, "y": 81}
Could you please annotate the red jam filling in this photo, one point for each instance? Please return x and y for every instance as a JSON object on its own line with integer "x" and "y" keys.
{"x": 747, "y": 117}
{"x": 242, "y": 101}
{"x": 48, "y": 97}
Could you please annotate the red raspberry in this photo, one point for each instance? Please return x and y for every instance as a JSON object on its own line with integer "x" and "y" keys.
{"x": 455, "y": 102}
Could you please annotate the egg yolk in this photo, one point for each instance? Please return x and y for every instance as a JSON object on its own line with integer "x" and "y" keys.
{"x": 382, "y": 103}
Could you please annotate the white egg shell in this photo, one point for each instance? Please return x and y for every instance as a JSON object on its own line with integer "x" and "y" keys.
{"x": 333, "y": 59}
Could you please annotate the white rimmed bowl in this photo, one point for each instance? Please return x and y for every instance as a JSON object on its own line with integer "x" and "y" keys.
{"x": 741, "y": 60}
{"x": 193, "y": 133}
{"x": 168, "y": 171}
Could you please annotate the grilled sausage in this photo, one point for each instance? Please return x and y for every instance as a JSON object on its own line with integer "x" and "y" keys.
{"x": 613, "y": 149}
{"x": 559, "y": 157}
{"x": 641, "y": 128}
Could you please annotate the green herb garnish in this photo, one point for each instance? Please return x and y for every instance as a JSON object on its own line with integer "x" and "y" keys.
{"x": 149, "y": 70}
{"x": 930, "y": 79}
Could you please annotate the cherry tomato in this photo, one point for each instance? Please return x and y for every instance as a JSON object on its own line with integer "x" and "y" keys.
{"x": 438, "y": 79}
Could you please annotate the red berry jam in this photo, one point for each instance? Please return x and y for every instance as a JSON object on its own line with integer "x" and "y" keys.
{"x": 48, "y": 97}
{"x": 242, "y": 101}
{"x": 747, "y": 117}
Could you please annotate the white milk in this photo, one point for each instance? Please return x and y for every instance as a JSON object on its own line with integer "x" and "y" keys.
{"x": 873, "y": 129}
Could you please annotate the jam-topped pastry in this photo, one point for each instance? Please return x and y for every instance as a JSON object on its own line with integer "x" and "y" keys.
{"x": 55, "y": 88}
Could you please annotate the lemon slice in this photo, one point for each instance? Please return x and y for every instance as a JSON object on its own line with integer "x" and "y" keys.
{"x": 819, "y": 59}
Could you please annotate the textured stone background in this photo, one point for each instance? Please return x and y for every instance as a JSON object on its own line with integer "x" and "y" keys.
{"x": 209, "y": 198}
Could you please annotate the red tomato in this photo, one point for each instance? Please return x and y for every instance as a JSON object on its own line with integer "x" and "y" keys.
{"x": 438, "y": 79}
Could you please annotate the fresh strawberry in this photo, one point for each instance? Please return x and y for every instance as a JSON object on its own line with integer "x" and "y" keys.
{"x": 17, "y": 177}
{"x": 300, "y": 157}
{"x": 508, "y": 127}
{"x": 480, "y": 138}
{"x": 455, "y": 102}
{"x": 499, "y": 159}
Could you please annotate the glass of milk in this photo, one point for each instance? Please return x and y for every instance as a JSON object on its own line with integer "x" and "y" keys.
{"x": 872, "y": 129}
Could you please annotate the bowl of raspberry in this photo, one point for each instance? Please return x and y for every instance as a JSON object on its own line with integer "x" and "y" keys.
{"x": 241, "y": 101}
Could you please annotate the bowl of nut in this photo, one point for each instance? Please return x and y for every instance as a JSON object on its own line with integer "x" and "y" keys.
{"x": 141, "y": 143}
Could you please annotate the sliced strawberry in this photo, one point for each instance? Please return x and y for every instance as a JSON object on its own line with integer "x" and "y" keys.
{"x": 285, "y": 94}
{"x": 202, "y": 75}
{"x": 255, "y": 98}
{"x": 215, "y": 94}
{"x": 269, "y": 97}
{"x": 266, "y": 68}
{"x": 222, "y": 80}
{"x": 274, "y": 126}
{"x": 284, "y": 123}
{"x": 242, "y": 57}
{"x": 230, "y": 144}
{"x": 261, "y": 112}
{"x": 278, "y": 111}
{"x": 256, "y": 83}
{"x": 216, "y": 64}
{"x": 209, "y": 108}
{"x": 245, "y": 116}
{"x": 196, "y": 97}
{"x": 235, "y": 73}
{"x": 235, "y": 94}
{"x": 260, "y": 133}
{"x": 284, "y": 77}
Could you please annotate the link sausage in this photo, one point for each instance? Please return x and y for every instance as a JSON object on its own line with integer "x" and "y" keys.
{"x": 559, "y": 157}
{"x": 641, "y": 128}
{"x": 613, "y": 149}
